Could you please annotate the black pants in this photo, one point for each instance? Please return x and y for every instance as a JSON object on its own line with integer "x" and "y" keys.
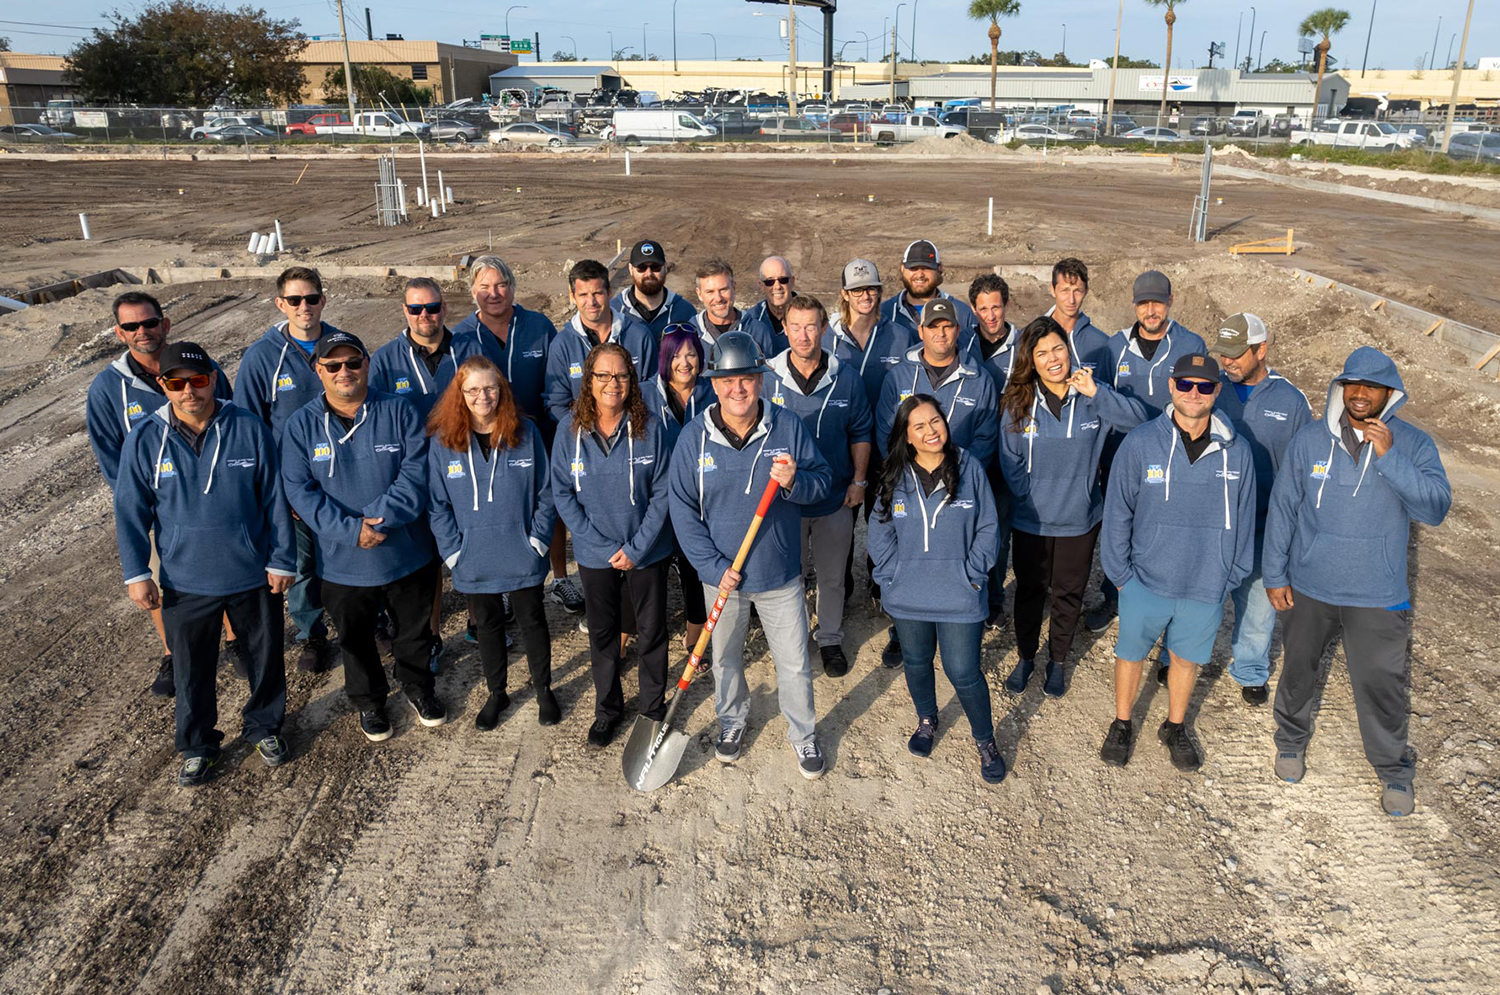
{"x": 693, "y": 603}
{"x": 1059, "y": 564}
{"x": 408, "y": 600}
{"x": 488, "y": 613}
{"x": 192, "y": 623}
{"x": 1375, "y": 650}
{"x": 604, "y": 593}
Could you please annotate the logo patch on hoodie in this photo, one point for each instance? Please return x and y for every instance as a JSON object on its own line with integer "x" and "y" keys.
{"x": 1227, "y": 474}
{"x": 1320, "y": 470}
{"x": 1155, "y": 474}
{"x": 898, "y": 509}
{"x": 643, "y": 460}
{"x": 285, "y": 382}
{"x": 166, "y": 469}
{"x": 133, "y": 410}
{"x": 387, "y": 447}
{"x": 1088, "y": 426}
{"x": 706, "y": 462}
{"x": 1124, "y": 369}
{"x": 456, "y": 469}
{"x": 403, "y": 384}
{"x": 1276, "y": 415}
{"x": 520, "y": 463}
{"x": 577, "y": 468}
{"x": 776, "y": 398}
{"x": 533, "y": 354}
{"x": 322, "y": 453}
{"x": 575, "y": 371}
{"x": 243, "y": 464}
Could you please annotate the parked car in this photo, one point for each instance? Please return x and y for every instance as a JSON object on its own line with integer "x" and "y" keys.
{"x": 1040, "y": 133}
{"x": 633, "y": 124}
{"x": 1475, "y": 146}
{"x": 1282, "y": 125}
{"x": 911, "y": 127}
{"x": 1247, "y": 124}
{"x": 310, "y": 127}
{"x": 847, "y": 124}
{"x": 235, "y": 132}
{"x": 1206, "y": 125}
{"x": 794, "y": 127}
{"x": 1153, "y": 135}
{"x": 449, "y": 130}
{"x": 215, "y": 122}
{"x": 529, "y": 133}
{"x": 1374, "y": 135}
{"x": 34, "y": 132}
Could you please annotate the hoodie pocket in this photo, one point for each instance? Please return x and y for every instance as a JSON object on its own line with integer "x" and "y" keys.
{"x": 490, "y": 553}
{"x": 929, "y": 587}
{"x": 1351, "y": 556}
{"x": 1178, "y": 556}
{"x": 225, "y": 550}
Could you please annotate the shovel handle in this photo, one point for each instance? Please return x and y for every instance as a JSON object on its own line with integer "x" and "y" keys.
{"x": 695, "y": 661}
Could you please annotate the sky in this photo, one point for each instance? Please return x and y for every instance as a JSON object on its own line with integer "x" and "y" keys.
{"x": 1403, "y": 32}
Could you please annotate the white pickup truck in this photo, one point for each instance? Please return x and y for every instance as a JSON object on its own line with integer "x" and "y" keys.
{"x": 1374, "y": 135}
{"x": 911, "y": 127}
{"x": 378, "y": 124}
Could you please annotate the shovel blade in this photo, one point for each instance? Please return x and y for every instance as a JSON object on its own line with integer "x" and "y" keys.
{"x": 652, "y": 754}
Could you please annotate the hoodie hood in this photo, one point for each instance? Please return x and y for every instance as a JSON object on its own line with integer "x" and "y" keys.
{"x": 781, "y": 365}
{"x": 1369, "y": 364}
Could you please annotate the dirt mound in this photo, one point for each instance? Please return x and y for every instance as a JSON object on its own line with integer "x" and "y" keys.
{"x": 962, "y": 144}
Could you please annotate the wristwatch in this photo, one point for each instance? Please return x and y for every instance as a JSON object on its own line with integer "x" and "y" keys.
{"x": 859, "y": 483}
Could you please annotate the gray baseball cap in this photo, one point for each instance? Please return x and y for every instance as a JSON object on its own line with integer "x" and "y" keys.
{"x": 861, "y": 273}
{"x": 1237, "y": 333}
{"x": 1153, "y": 285}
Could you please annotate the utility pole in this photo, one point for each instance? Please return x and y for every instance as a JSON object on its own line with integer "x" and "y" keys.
{"x": 369, "y": 26}
{"x": 1109, "y": 127}
{"x": 1238, "y": 28}
{"x": 791, "y": 93}
{"x": 1458, "y": 75}
{"x": 348, "y": 71}
{"x": 893, "y": 63}
{"x": 1365, "y": 64}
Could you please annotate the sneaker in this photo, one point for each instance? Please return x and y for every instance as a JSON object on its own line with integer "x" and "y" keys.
{"x": 165, "y": 685}
{"x": 1180, "y": 746}
{"x": 1098, "y": 620}
{"x": 920, "y": 743}
{"x": 1117, "y": 743}
{"x": 997, "y": 618}
{"x": 430, "y": 711}
{"x": 434, "y": 654}
{"x": 1057, "y": 680}
{"x": 567, "y": 594}
{"x": 273, "y": 751}
{"x": 548, "y": 712}
{"x": 1398, "y": 799}
{"x": 991, "y": 764}
{"x": 505, "y": 606}
{"x": 601, "y": 732}
{"x": 197, "y": 770}
{"x": 239, "y": 657}
{"x": 583, "y": 626}
{"x": 471, "y": 634}
{"x": 835, "y": 664}
{"x": 374, "y": 724}
{"x": 810, "y": 760}
{"x": 1256, "y": 694}
{"x": 728, "y": 747}
{"x": 316, "y": 655}
{"x": 891, "y": 655}
{"x": 1291, "y": 766}
{"x": 1020, "y": 677}
{"x": 489, "y": 716}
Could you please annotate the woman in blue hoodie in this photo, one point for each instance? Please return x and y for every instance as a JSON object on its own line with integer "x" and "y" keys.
{"x": 609, "y": 478}
{"x": 492, "y": 515}
{"x": 934, "y": 537}
{"x": 1054, "y": 420}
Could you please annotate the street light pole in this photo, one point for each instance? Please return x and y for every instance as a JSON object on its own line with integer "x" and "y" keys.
{"x": 914, "y": 30}
{"x": 575, "y": 45}
{"x": 716, "y": 44}
{"x": 1114, "y": 67}
{"x": 1237, "y": 29}
{"x": 1065, "y": 42}
{"x": 896, "y": 31}
{"x": 867, "y": 45}
{"x": 1458, "y": 74}
{"x": 1252, "y": 33}
{"x": 643, "y": 39}
{"x": 611, "y": 45}
{"x": 674, "y": 35}
{"x": 1432, "y": 61}
{"x": 1260, "y": 59}
{"x": 519, "y": 6}
{"x": 1365, "y": 64}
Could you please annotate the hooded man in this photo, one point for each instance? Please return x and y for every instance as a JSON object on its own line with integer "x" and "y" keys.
{"x": 720, "y": 315}
{"x": 922, "y": 278}
{"x": 647, "y": 299}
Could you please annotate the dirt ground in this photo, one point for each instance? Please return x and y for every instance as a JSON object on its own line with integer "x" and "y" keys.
{"x": 453, "y": 861}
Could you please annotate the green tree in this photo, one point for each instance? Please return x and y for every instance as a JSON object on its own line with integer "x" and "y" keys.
{"x": 993, "y": 10}
{"x": 183, "y": 53}
{"x": 4, "y": 44}
{"x": 370, "y": 82}
{"x": 1166, "y": 73}
{"x": 1326, "y": 22}
{"x": 561, "y": 56}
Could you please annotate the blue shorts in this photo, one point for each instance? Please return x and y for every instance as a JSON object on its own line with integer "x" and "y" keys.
{"x": 1190, "y": 626}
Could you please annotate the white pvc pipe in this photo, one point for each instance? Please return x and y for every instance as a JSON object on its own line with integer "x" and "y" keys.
{"x": 280, "y": 242}
{"x": 83, "y": 221}
{"x": 442, "y": 198}
{"x": 254, "y": 242}
{"x": 449, "y": 192}
{"x": 264, "y": 249}
{"x": 433, "y": 204}
{"x": 627, "y": 162}
{"x": 401, "y": 195}
{"x": 422, "y": 154}
{"x": 990, "y": 224}
{"x": 420, "y": 201}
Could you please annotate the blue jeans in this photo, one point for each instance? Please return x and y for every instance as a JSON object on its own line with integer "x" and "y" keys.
{"x": 1254, "y": 619}
{"x": 959, "y": 644}
{"x": 304, "y": 599}
{"x": 1003, "y": 505}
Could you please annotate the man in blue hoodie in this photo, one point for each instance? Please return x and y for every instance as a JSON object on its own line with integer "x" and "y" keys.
{"x": 766, "y": 318}
{"x": 203, "y": 474}
{"x": 277, "y": 378}
{"x": 922, "y": 282}
{"x": 996, "y": 341}
{"x": 1088, "y": 345}
{"x": 714, "y": 285}
{"x": 1266, "y": 410}
{"x": 647, "y": 299}
{"x": 1178, "y": 535}
{"x": 719, "y": 469}
{"x": 419, "y": 363}
{"x": 593, "y": 323}
{"x": 1337, "y": 532}
{"x": 354, "y": 465}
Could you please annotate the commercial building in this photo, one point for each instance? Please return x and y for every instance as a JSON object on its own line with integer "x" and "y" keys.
{"x": 450, "y": 71}
{"x": 27, "y": 82}
{"x": 1479, "y": 90}
{"x": 573, "y": 77}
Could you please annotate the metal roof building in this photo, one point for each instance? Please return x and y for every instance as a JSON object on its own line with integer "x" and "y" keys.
{"x": 575, "y": 78}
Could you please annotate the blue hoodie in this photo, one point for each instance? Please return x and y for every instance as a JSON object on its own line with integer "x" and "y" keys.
{"x": 1340, "y": 522}
{"x": 933, "y": 558}
{"x": 1165, "y": 518}
{"x": 898, "y": 311}
{"x": 654, "y": 392}
{"x": 674, "y": 310}
{"x": 1002, "y": 360}
{"x": 220, "y": 520}
{"x": 759, "y": 331}
{"x": 522, "y": 357}
{"x": 967, "y": 395}
{"x": 276, "y": 378}
{"x": 1133, "y": 375}
{"x": 572, "y": 346}
{"x": 887, "y": 346}
{"x": 586, "y": 485}
{"x": 836, "y": 414}
{"x": 1088, "y": 345}
{"x": 490, "y": 516}
{"x": 335, "y": 478}
{"x": 117, "y": 402}
{"x": 395, "y": 369}
{"x": 715, "y": 489}
{"x": 1266, "y": 422}
{"x": 1052, "y": 464}
{"x": 757, "y": 321}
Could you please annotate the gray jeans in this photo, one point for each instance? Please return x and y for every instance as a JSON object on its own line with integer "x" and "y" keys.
{"x": 783, "y": 616}
{"x": 825, "y": 544}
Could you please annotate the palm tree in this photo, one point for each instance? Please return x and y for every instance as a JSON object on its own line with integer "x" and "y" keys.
{"x": 994, "y": 10}
{"x": 1325, "y": 22}
{"x": 1166, "y": 74}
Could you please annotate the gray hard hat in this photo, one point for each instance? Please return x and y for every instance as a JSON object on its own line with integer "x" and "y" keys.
{"x": 735, "y": 354}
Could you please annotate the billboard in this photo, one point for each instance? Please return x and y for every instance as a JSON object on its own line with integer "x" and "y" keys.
{"x": 1175, "y": 84}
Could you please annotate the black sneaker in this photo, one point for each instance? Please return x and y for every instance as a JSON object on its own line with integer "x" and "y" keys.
{"x": 434, "y": 654}
{"x": 567, "y": 594}
{"x": 835, "y": 664}
{"x": 1020, "y": 677}
{"x": 489, "y": 716}
{"x": 1057, "y": 680}
{"x": 197, "y": 770}
{"x": 920, "y": 743}
{"x": 548, "y": 711}
{"x": 165, "y": 685}
{"x": 728, "y": 747}
{"x": 1180, "y": 746}
{"x": 1098, "y": 620}
{"x": 374, "y": 724}
{"x": 1256, "y": 694}
{"x": 316, "y": 655}
{"x": 810, "y": 760}
{"x": 891, "y": 655}
{"x": 430, "y": 711}
{"x": 273, "y": 751}
{"x": 997, "y": 618}
{"x": 239, "y": 657}
{"x": 601, "y": 732}
{"x": 991, "y": 764}
{"x": 1117, "y": 743}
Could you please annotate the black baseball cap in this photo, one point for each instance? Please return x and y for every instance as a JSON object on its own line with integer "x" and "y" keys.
{"x": 185, "y": 356}
{"x": 647, "y": 251}
{"x": 920, "y": 254}
{"x": 1202, "y": 367}
{"x": 333, "y": 340}
{"x": 939, "y": 309}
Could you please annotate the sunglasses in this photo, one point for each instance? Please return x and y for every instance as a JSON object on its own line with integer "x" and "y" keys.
{"x": 336, "y": 365}
{"x": 1185, "y": 386}
{"x": 197, "y": 380}
{"x": 432, "y": 308}
{"x": 649, "y": 267}
{"x": 774, "y": 280}
{"x": 295, "y": 300}
{"x": 130, "y": 326}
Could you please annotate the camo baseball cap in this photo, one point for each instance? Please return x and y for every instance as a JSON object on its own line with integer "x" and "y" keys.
{"x": 1237, "y": 333}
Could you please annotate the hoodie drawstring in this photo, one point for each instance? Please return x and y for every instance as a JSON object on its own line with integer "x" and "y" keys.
{"x": 156, "y": 478}
{"x": 213, "y": 462}
{"x": 411, "y": 353}
{"x": 1327, "y": 472}
{"x": 630, "y": 458}
{"x": 474, "y": 481}
{"x": 750, "y": 477}
{"x": 125, "y": 406}
{"x": 1170, "y": 453}
{"x": 276, "y": 373}
{"x": 702, "y": 452}
{"x": 333, "y": 449}
{"x": 1369, "y": 449}
{"x": 1224, "y": 452}
{"x": 1035, "y": 428}
{"x": 927, "y": 526}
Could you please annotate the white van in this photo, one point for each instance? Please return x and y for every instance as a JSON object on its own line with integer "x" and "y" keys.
{"x": 632, "y": 124}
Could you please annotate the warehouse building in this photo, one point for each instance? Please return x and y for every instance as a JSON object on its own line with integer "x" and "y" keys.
{"x": 450, "y": 71}
{"x": 27, "y": 82}
{"x": 577, "y": 79}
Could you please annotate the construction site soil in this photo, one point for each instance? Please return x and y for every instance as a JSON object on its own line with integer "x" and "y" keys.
{"x": 451, "y": 860}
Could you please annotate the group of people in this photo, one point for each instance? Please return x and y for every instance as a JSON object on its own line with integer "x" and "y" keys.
{"x": 343, "y": 482}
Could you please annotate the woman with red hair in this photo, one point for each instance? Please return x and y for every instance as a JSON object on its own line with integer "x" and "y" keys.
{"x": 492, "y": 515}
